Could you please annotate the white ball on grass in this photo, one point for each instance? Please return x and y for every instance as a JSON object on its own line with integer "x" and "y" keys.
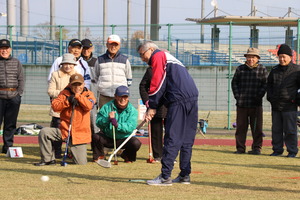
{"x": 45, "y": 178}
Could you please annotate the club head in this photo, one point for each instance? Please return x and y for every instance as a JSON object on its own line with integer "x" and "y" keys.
{"x": 104, "y": 163}
{"x": 150, "y": 160}
{"x": 115, "y": 162}
{"x": 64, "y": 164}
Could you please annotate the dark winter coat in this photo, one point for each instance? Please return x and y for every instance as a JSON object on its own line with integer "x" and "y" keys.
{"x": 11, "y": 76}
{"x": 161, "y": 112}
{"x": 283, "y": 84}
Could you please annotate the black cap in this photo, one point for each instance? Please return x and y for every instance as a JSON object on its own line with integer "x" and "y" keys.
{"x": 285, "y": 49}
{"x": 4, "y": 43}
{"x": 75, "y": 42}
{"x": 86, "y": 43}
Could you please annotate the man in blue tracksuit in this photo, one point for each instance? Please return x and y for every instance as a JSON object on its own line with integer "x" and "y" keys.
{"x": 172, "y": 86}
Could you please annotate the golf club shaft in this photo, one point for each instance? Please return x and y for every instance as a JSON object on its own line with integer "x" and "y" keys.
{"x": 127, "y": 139}
{"x": 115, "y": 145}
{"x": 150, "y": 142}
{"x": 69, "y": 135}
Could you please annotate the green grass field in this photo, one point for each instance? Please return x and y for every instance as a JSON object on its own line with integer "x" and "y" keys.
{"x": 217, "y": 173}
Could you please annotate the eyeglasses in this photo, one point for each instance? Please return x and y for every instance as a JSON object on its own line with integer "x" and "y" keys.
{"x": 142, "y": 54}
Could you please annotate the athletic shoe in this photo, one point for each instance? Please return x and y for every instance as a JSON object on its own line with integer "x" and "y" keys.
{"x": 254, "y": 152}
{"x": 275, "y": 154}
{"x": 182, "y": 179}
{"x": 100, "y": 158}
{"x": 160, "y": 181}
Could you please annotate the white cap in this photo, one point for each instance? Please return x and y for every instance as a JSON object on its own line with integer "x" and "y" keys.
{"x": 114, "y": 39}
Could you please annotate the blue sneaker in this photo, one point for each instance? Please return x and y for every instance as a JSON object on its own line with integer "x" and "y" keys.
{"x": 160, "y": 181}
{"x": 182, "y": 179}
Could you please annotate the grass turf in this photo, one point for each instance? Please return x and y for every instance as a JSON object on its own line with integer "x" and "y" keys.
{"x": 217, "y": 173}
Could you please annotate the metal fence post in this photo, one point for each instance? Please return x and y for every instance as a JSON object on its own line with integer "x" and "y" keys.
{"x": 169, "y": 36}
{"x": 60, "y": 40}
{"x": 229, "y": 75}
{"x": 112, "y": 29}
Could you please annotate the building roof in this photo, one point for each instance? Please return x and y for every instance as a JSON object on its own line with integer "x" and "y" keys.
{"x": 248, "y": 20}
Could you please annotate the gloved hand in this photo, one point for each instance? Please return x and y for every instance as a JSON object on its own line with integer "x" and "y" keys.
{"x": 72, "y": 100}
{"x": 114, "y": 122}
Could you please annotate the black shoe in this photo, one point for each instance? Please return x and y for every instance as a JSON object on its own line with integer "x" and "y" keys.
{"x": 291, "y": 155}
{"x": 275, "y": 154}
{"x": 4, "y": 149}
{"x": 52, "y": 162}
{"x": 254, "y": 152}
{"x": 238, "y": 152}
{"x": 58, "y": 156}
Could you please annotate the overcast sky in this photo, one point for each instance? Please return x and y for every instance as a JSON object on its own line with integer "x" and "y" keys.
{"x": 171, "y": 11}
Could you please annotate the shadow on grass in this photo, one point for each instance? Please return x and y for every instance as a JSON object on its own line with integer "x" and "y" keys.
{"x": 237, "y": 186}
{"x": 258, "y": 166}
{"x": 213, "y": 150}
{"x": 69, "y": 176}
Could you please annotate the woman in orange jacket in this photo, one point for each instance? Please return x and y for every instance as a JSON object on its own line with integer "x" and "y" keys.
{"x": 83, "y": 100}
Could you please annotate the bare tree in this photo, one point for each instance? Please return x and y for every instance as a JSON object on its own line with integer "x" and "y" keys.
{"x": 42, "y": 31}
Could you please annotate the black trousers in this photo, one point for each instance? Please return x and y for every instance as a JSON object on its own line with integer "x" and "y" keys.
{"x": 157, "y": 136}
{"x": 244, "y": 117}
{"x": 9, "y": 110}
{"x": 284, "y": 131}
{"x": 101, "y": 141}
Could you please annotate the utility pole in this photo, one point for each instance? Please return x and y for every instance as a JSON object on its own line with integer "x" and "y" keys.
{"x": 128, "y": 27}
{"x": 252, "y": 8}
{"x": 146, "y": 20}
{"x": 202, "y": 15}
{"x": 154, "y": 30}
{"x": 24, "y": 17}
{"x": 104, "y": 21}
{"x": 52, "y": 19}
{"x": 11, "y": 17}
{"x": 80, "y": 19}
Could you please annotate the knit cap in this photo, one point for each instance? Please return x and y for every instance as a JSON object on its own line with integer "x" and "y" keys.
{"x": 285, "y": 49}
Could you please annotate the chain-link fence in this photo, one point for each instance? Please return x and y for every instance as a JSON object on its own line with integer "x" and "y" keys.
{"x": 210, "y": 57}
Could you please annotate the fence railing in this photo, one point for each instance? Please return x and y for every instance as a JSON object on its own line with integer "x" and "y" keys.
{"x": 41, "y": 44}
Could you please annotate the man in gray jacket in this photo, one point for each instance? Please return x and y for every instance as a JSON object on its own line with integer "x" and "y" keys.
{"x": 11, "y": 90}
